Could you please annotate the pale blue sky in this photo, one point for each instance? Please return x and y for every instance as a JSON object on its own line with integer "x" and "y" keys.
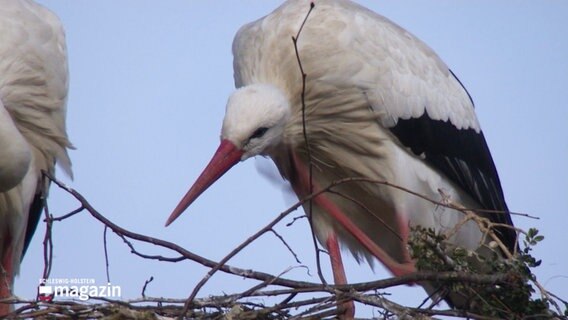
{"x": 149, "y": 83}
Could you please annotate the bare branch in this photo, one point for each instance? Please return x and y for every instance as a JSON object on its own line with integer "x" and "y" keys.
{"x": 294, "y": 294}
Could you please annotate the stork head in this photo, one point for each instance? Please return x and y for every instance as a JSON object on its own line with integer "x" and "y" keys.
{"x": 255, "y": 119}
{"x": 254, "y": 123}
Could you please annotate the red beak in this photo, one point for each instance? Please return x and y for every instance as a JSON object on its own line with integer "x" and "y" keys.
{"x": 226, "y": 156}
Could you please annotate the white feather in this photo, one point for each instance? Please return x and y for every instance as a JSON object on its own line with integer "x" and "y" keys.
{"x": 33, "y": 94}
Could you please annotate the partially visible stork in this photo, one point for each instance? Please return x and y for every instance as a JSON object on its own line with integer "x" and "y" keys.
{"x": 33, "y": 94}
{"x": 380, "y": 104}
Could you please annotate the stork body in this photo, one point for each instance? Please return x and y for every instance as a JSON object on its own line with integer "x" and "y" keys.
{"x": 380, "y": 104}
{"x": 33, "y": 94}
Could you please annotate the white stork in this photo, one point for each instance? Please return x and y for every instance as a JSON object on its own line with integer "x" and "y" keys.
{"x": 33, "y": 94}
{"x": 380, "y": 104}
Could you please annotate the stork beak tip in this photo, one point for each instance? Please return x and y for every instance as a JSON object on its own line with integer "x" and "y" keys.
{"x": 226, "y": 156}
{"x": 169, "y": 221}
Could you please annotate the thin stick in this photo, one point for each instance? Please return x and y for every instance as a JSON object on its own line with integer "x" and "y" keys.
{"x": 307, "y": 142}
{"x": 287, "y": 245}
{"x": 106, "y": 254}
{"x": 146, "y": 285}
{"x": 47, "y": 240}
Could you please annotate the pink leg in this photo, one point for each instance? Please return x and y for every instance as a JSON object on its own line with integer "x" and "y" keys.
{"x": 6, "y": 278}
{"x": 339, "y": 273}
{"x": 322, "y": 201}
{"x": 404, "y": 234}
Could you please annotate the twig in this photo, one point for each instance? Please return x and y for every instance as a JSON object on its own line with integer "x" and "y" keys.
{"x": 47, "y": 240}
{"x": 106, "y": 254}
{"x": 287, "y": 246}
{"x": 307, "y": 142}
{"x": 295, "y": 219}
{"x": 68, "y": 215}
{"x": 145, "y": 285}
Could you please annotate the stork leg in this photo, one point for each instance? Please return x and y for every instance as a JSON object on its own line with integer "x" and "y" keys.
{"x": 347, "y": 308}
{"x": 6, "y": 276}
{"x": 404, "y": 231}
{"x": 397, "y": 268}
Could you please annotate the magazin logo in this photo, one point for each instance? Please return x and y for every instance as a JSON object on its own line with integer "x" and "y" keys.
{"x": 81, "y": 289}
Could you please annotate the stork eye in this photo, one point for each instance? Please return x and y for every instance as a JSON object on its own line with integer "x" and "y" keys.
{"x": 258, "y": 133}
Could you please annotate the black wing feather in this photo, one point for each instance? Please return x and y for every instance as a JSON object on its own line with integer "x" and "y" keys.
{"x": 33, "y": 220}
{"x": 463, "y": 156}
